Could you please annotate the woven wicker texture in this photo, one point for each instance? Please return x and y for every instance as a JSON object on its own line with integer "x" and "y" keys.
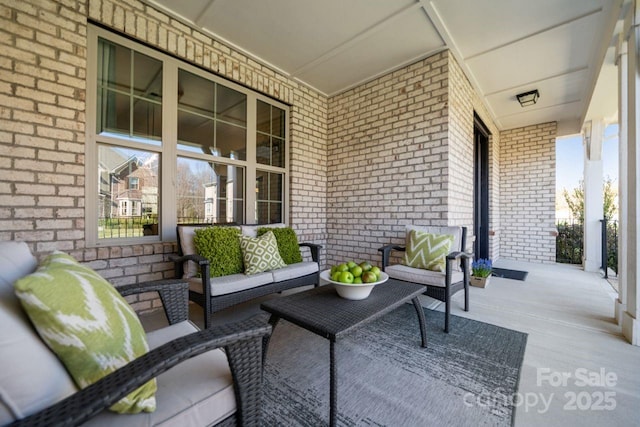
{"x": 242, "y": 343}
{"x": 440, "y": 293}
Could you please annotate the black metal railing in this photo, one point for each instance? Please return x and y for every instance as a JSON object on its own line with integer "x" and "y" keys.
{"x": 609, "y": 246}
{"x": 116, "y": 228}
{"x": 569, "y": 241}
{"x": 124, "y": 227}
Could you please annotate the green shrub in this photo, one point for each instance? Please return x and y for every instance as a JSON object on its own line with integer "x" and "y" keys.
{"x": 221, "y": 246}
{"x": 287, "y": 243}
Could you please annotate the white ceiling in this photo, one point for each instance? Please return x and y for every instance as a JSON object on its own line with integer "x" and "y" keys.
{"x": 505, "y": 47}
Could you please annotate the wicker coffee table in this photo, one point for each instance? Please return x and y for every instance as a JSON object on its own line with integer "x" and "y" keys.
{"x": 323, "y": 312}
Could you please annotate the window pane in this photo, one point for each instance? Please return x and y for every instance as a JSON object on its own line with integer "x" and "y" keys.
{"x": 270, "y": 121}
{"x": 147, "y": 77}
{"x": 263, "y": 149}
{"x": 209, "y": 192}
{"x": 277, "y": 122}
{"x": 264, "y": 117}
{"x": 117, "y": 66}
{"x": 277, "y": 152}
{"x": 275, "y": 213}
{"x": 195, "y": 94}
{"x": 114, "y": 66}
{"x": 128, "y": 192}
{"x": 269, "y": 197}
{"x": 262, "y": 213}
{"x": 275, "y": 186}
{"x": 147, "y": 119}
{"x": 231, "y": 106}
{"x": 115, "y": 112}
{"x": 231, "y": 141}
{"x": 196, "y": 132}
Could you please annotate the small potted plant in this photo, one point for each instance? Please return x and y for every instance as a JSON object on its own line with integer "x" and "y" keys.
{"x": 480, "y": 272}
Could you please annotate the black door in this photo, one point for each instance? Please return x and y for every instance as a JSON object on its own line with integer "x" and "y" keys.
{"x": 481, "y": 189}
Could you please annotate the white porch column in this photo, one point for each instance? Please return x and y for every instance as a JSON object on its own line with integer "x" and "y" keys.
{"x": 593, "y": 197}
{"x": 630, "y": 323}
{"x": 623, "y": 178}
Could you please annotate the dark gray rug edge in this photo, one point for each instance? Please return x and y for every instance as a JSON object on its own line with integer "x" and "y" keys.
{"x": 524, "y": 345}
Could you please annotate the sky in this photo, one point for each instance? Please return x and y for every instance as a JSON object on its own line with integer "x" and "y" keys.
{"x": 570, "y": 159}
{"x": 570, "y": 164}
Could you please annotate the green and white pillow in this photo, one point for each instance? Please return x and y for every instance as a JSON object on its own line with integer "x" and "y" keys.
{"x": 427, "y": 251}
{"x": 87, "y": 323}
{"x": 260, "y": 253}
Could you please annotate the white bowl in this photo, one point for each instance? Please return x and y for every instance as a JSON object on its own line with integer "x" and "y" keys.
{"x": 353, "y": 291}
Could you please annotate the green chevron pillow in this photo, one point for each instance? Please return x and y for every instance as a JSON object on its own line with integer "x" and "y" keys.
{"x": 427, "y": 251}
{"x": 86, "y": 322}
{"x": 260, "y": 253}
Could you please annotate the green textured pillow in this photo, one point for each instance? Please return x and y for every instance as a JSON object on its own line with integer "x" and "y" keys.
{"x": 86, "y": 322}
{"x": 260, "y": 253}
{"x": 221, "y": 246}
{"x": 287, "y": 243}
{"x": 427, "y": 251}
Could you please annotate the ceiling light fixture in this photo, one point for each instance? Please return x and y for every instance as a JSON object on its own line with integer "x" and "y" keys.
{"x": 528, "y": 98}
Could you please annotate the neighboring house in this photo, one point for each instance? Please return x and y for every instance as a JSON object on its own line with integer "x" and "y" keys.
{"x": 128, "y": 188}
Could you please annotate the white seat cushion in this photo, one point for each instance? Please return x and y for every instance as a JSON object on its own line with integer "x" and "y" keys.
{"x": 292, "y": 271}
{"x": 32, "y": 377}
{"x": 232, "y": 283}
{"x": 186, "y": 234}
{"x": 425, "y": 277}
{"x": 252, "y": 230}
{"x": 196, "y": 392}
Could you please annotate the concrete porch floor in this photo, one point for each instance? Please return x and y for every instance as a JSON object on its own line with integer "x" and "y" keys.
{"x": 568, "y": 315}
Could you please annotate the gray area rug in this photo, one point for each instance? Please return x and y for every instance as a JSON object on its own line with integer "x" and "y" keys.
{"x": 465, "y": 378}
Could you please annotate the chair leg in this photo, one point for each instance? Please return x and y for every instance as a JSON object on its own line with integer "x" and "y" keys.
{"x": 466, "y": 296}
{"x": 447, "y": 314}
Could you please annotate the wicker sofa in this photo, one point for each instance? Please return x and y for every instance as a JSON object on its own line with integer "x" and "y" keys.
{"x": 198, "y": 383}
{"x": 217, "y": 293}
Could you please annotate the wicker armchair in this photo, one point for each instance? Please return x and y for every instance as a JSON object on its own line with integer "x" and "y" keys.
{"x": 441, "y": 286}
{"x": 180, "y": 341}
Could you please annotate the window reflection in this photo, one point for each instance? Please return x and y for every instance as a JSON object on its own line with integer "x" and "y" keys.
{"x": 212, "y": 118}
{"x": 209, "y": 192}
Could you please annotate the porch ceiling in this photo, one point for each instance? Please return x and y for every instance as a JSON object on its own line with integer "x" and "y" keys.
{"x": 505, "y": 47}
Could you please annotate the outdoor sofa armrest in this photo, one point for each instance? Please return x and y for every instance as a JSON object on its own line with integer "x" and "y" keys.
{"x": 464, "y": 261}
{"x": 198, "y": 259}
{"x": 315, "y": 250}
{"x": 458, "y": 255}
{"x": 174, "y": 294}
{"x": 243, "y": 346}
{"x": 386, "y": 253}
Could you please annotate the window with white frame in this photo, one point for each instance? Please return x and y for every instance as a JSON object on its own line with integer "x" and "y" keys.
{"x": 169, "y": 143}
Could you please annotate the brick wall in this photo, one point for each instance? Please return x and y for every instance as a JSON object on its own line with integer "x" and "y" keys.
{"x": 463, "y": 103}
{"x": 387, "y": 159}
{"x": 527, "y": 191}
{"x": 364, "y": 163}
{"x": 43, "y": 51}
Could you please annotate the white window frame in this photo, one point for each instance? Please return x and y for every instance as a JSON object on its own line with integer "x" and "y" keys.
{"x": 168, "y": 148}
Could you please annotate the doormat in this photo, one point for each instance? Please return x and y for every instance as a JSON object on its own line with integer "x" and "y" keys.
{"x": 509, "y": 274}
